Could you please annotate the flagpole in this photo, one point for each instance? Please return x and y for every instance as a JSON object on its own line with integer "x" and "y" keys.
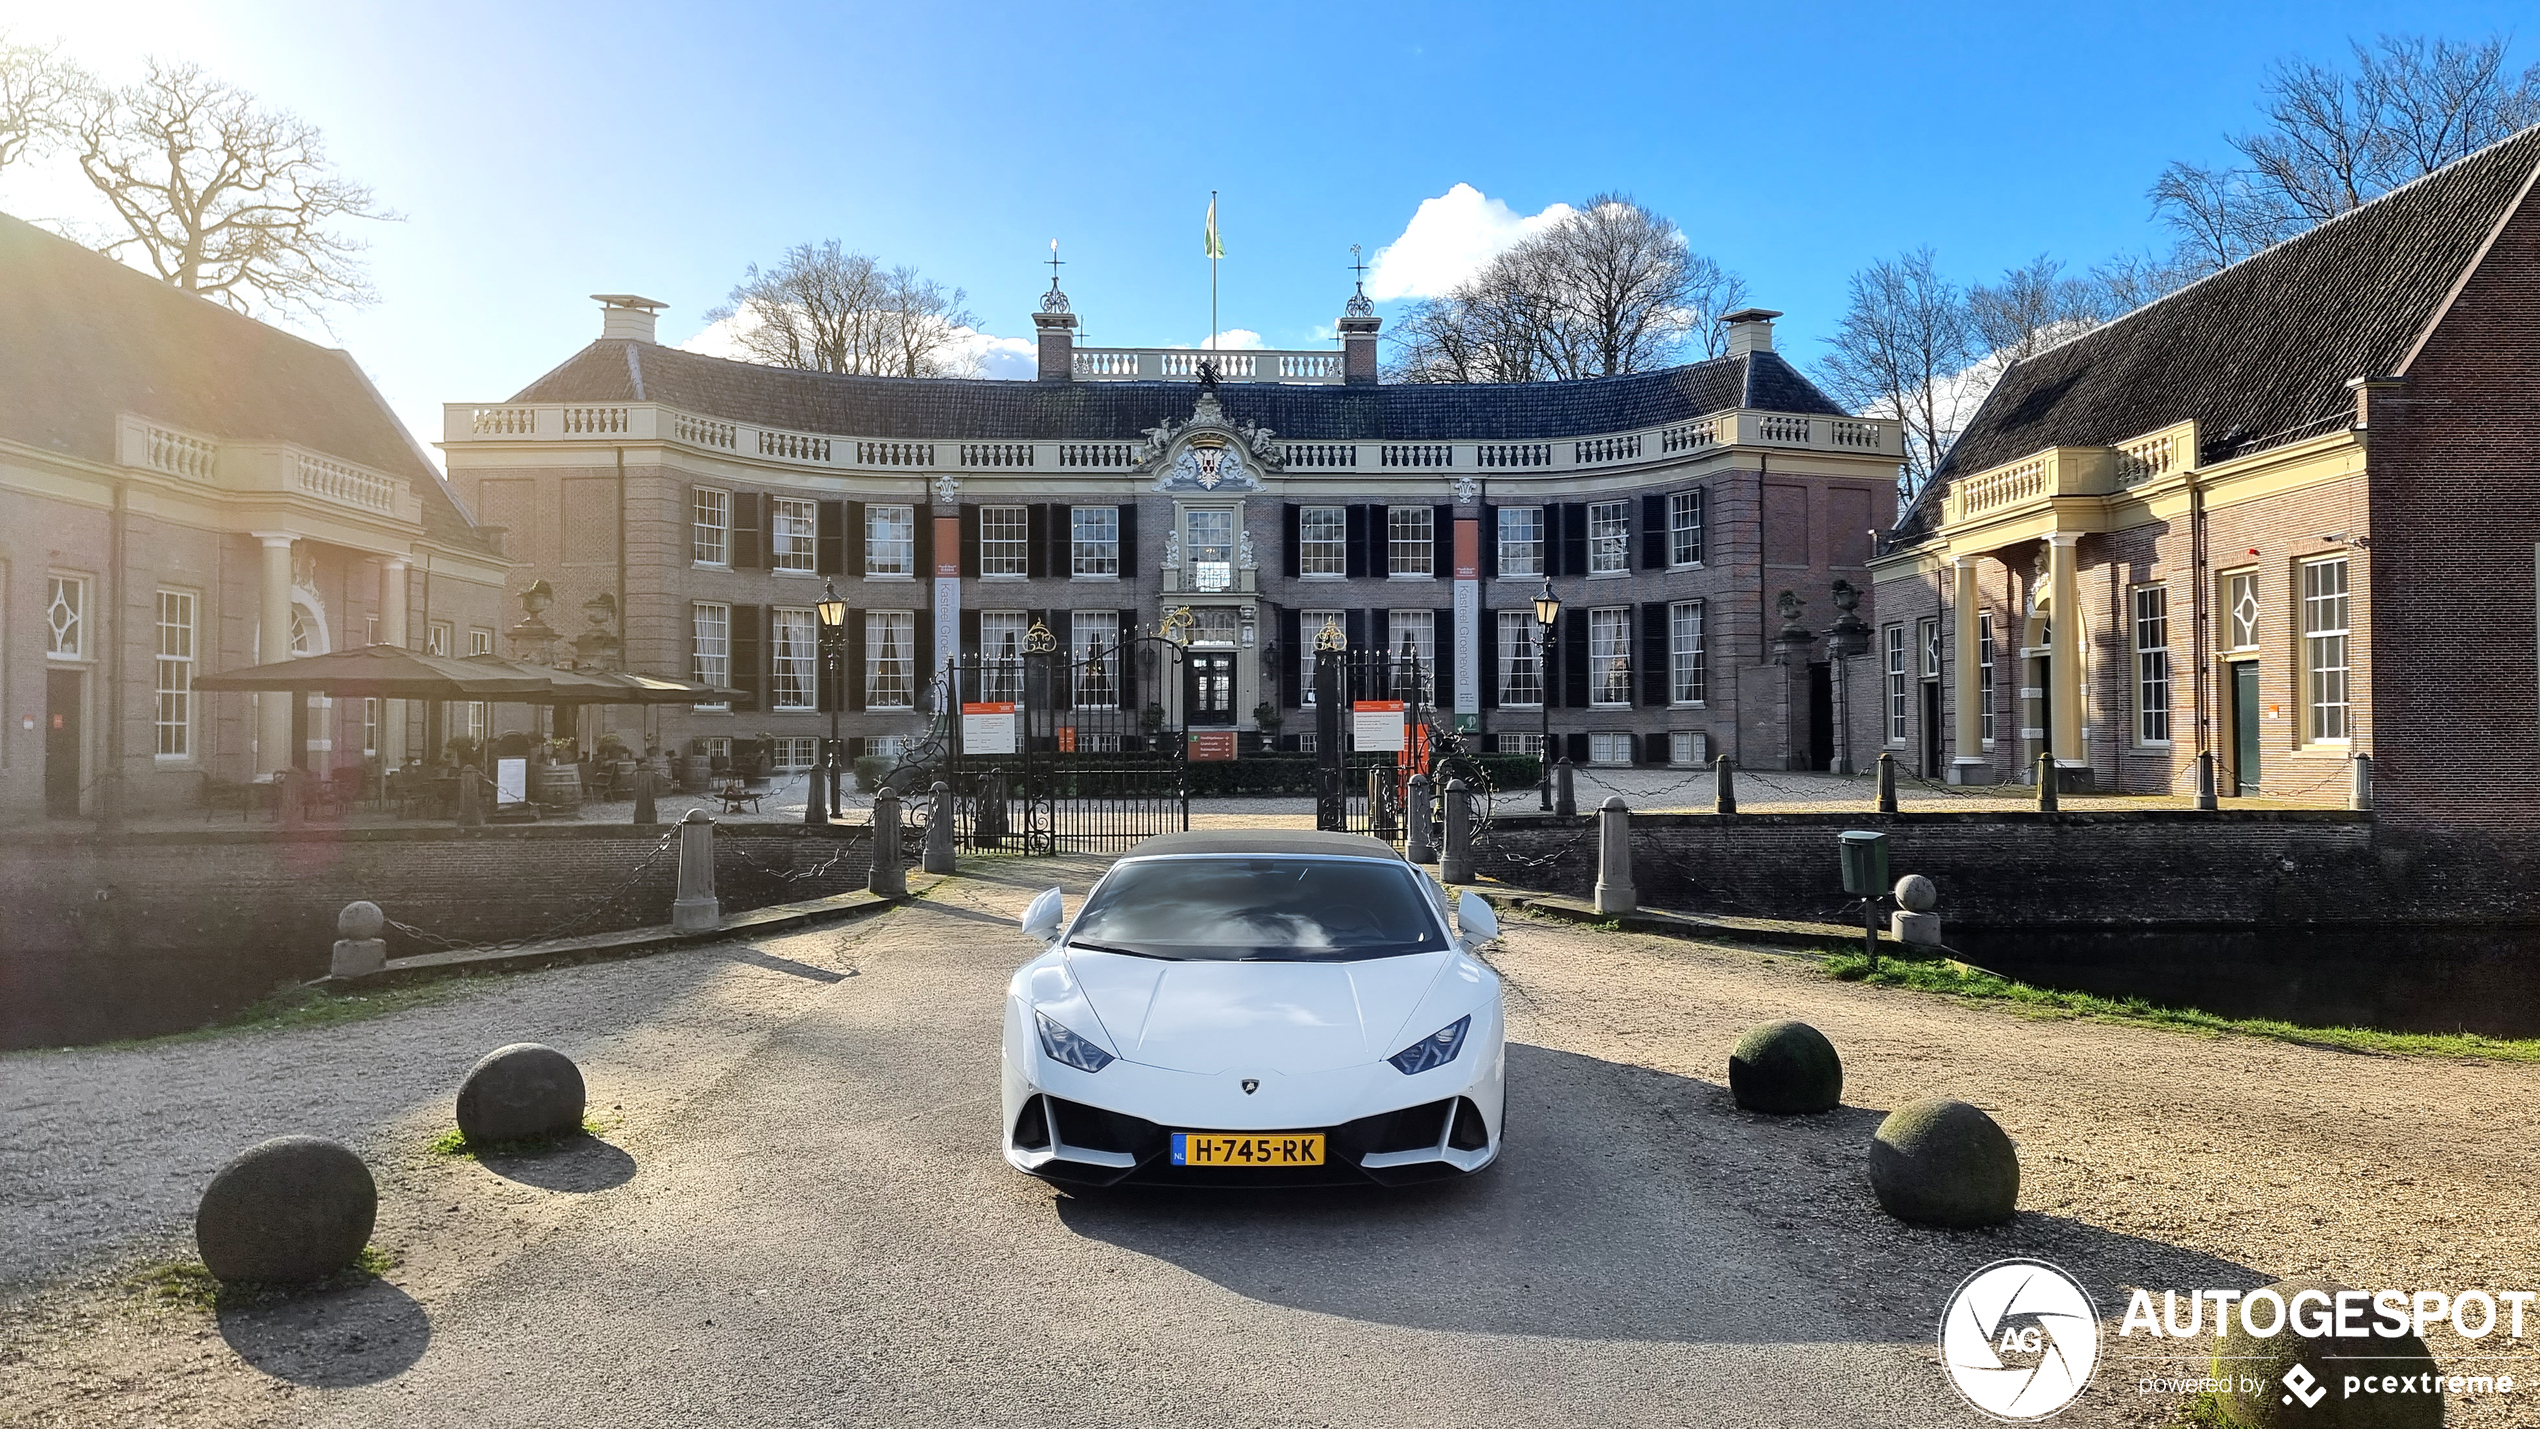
{"x": 1212, "y": 278}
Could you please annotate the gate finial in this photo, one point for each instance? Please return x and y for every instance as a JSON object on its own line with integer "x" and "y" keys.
{"x": 1038, "y": 640}
{"x": 1330, "y": 636}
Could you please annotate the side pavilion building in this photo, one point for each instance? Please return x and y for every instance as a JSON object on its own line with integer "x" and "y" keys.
{"x": 711, "y": 501}
{"x": 2287, "y": 515}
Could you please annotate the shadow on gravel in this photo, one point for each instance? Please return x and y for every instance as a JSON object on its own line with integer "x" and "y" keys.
{"x": 331, "y": 1339}
{"x": 1630, "y": 1204}
{"x": 577, "y": 1163}
{"x": 760, "y": 958}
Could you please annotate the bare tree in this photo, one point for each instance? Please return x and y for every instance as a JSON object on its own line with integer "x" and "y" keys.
{"x": 2033, "y": 306}
{"x": 39, "y": 100}
{"x": 222, "y": 196}
{"x": 2335, "y": 140}
{"x": 829, "y": 310}
{"x": 1612, "y": 288}
{"x": 1905, "y": 339}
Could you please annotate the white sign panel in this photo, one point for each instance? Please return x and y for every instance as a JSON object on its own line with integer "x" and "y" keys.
{"x": 511, "y": 781}
{"x": 1376, "y": 726}
{"x": 987, "y": 728}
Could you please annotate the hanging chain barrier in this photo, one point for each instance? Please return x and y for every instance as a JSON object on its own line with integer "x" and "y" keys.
{"x": 612, "y": 899}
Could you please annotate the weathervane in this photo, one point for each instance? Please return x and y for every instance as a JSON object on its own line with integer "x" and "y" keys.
{"x": 1359, "y": 306}
{"x": 1053, "y": 301}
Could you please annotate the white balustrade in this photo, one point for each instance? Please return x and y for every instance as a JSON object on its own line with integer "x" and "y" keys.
{"x": 704, "y": 431}
{"x": 345, "y": 485}
{"x": 504, "y": 422}
{"x": 794, "y": 446}
{"x": 179, "y": 455}
{"x": 1322, "y": 456}
{"x": 594, "y": 421}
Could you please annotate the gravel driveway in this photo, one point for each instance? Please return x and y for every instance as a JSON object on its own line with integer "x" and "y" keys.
{"x": 801, "y": 1220}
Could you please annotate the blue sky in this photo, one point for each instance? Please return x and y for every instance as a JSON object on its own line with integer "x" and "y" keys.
{"x": 545, "y": 152}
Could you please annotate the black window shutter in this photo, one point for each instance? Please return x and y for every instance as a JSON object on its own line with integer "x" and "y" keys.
{"x": 970, "y": 632}
{"x": 926, "y": 667}
{"x": 1574, "y": 538}
{"x": 1486, "y": 641}
{"x": 1354, "y": 628}
{"x": 830, "y": 549}
{"x": 1490, "y": 543}
{"x": 1036, "y": 539}
{"x": 1442, "y": 542}
{"x": 1653, "y": 531}
{"x": 1577, "y": 748}
{"x": 1062, "y": 557}
{"x": 1380, "y": 540}
{"x": 855, "y": 659}
{"x": 1292, "y": 645}
{"x": 1654, "y": 682}
{"x": 1658, "y": 751}
{"x": 855, "y": 546}
{"x": 749, "y": 674}
{"x": 1354, "y": 528}
{"x": 1292, "y": 538}
{"x": 747, "y": 548}
{"x": 1574, "y": 660}
{"x": 1442, "y": 660}
{"x": 970, "y": 541}
{"x": 1128, "y": 539}
{"x": 924, "y": 516}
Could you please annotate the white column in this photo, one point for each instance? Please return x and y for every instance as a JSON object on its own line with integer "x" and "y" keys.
{"x": 392, "y": 631}
{"x": 1969, "y": 765}
{"x": 273, "y": 642}
{"x": 2063, "y": 574}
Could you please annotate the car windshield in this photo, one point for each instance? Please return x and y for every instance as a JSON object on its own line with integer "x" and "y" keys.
{"x": 1237, "y": 909}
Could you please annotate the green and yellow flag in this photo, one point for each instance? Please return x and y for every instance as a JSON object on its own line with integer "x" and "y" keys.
{"x": 1215, "y": 248}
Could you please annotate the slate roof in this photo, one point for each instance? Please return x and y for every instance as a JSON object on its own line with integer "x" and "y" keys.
{"x": 2259, "y": 353}
{"x": 971, "y": 409}
{"x": 83, "y": 338}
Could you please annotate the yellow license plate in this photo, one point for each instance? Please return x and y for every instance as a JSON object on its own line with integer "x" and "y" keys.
{"x": 1215, "y": 1149}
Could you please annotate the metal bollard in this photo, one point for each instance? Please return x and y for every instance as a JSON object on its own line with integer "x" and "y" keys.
{"x": 1420, "y": 845}
{"x": 1455, "y": 864}
{"x": 359, "y": 949}
{"x": 471, "y": 802}
{"x": 2046, "y": 802}
{"x": 1887, "y": 784}
{"x": 645, "y": 812}
{"x": 1724, "y": 786}
{"x": 888, "y": 879}
{"x": 1565, "y": 791}
{"x": 939, "y": 830}
{"x": 696, "y": 909}
{"x": 1614, "y": 891}
{"x": 2205, "y": 780}
{"x": 2361, "y": 797}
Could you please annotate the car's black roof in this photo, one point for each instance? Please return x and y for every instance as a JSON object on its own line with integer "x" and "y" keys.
{"x": 1288, "y": 841}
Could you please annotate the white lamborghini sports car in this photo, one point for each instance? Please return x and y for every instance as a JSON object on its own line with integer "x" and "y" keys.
{"x": 1255, "y": 1008}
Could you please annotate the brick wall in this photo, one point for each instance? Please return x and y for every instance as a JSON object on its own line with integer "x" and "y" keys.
{"x": 201, "y": 923}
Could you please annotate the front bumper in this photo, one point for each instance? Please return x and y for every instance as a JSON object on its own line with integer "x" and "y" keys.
{"x": 1078, "y": 1144}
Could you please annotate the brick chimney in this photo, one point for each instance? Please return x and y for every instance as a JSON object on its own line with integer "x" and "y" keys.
{"x": 624, "y": 315}
{"x": 1057, "y": 328}
{"x": 1750, "y": 330}
{"x": 1357, "y": 327}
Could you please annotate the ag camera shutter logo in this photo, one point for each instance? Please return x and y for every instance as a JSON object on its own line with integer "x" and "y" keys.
{"x": 2019, "y": 1340}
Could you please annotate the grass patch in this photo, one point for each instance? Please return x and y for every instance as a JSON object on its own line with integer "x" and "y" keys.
{"x": 2205, "y": 1410}
{"x": 307, "y": 1005}
{"x": 454, "y": 1142}
{"x": 1957, "y": 980}
{"x": 188, "y": 1285}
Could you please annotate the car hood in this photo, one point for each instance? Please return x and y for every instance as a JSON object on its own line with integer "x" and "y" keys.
{"x": 1212, "y": 1017}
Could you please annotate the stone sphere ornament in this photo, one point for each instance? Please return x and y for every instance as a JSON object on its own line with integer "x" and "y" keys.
{"x": 1915, "y": 893}
{"x": 2325, "y": 1360}
{"x": 1786, "y": 1069}
{"x": 360, "y": 920}
{"x": 519, "y": 1093}
{"x": 1938, "y": 1162}
{"x": 285, "y": 1212}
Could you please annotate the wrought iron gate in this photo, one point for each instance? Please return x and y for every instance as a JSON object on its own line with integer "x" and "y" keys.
{"x": 1067, "y": 751}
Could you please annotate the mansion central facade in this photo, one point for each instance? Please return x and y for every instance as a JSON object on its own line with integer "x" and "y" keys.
{"x": 1272, "y": 495}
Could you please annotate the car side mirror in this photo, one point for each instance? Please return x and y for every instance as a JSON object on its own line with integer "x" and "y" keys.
{"x": 1475, "y": 919}
{"x": 1043, "y": 918}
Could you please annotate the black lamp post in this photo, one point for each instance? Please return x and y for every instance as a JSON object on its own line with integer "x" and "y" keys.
{"x": 833, "y": 643}
{"x": 1547, "y": 611}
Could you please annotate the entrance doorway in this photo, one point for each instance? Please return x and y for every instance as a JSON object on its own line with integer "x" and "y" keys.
{"x": 62, "y": 743}
{"x": 1821, "y": 715}
{"x": 1212, "y": 688}
{"x": 2244, "y": 728}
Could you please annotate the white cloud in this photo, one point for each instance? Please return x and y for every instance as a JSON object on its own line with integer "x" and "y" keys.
{"x": 1448, "y": 240}
{"x": 1233, "y": 339}
{"x": 1004, "y": 357}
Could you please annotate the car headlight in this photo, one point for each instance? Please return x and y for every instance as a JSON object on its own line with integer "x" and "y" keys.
{"x": 1435, "y": 1050}
{"x": 1078, "y": 1052}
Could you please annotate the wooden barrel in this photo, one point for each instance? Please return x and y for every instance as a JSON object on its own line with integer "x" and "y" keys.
{"x": 556, "y": 785}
